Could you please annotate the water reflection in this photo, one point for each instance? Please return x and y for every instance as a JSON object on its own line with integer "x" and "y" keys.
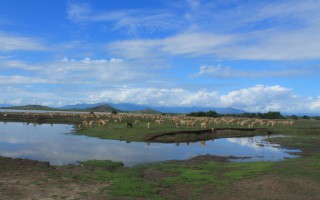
{"x": 54, "y": 143}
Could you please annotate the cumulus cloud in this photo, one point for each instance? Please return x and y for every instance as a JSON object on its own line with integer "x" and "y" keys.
{"x": 259, "y": 98}
{"x": 262, "y": 98}
{"x": 315, "y": 104}
{"x": 155, "y": 96}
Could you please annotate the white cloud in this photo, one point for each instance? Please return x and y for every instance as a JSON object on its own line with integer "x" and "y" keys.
{"x": 11, "y": 43}
{"x": 275, "y": 45}
{"x": 315, "y": 104}
{"x": 194, "y": 43}
{"x": 5, "y": 80}
{"x": 262, "y": 98}
{"x": 75, "y": 71}
{"x": 261, "y": 31}
{"x": 185, "y": 43}
{"x": 259, "y": 98}
{"x": 78, "y": 12}
{"x": 228, "y": 72}
{"x": 135, "y": 48}
{"x": 6, "y": 63}
{"x": 155, "y": 96}
{"x": 93, "y": 70}
{"x": 215, "y": 71}
{"x": 262, "y": 45}
{"x": 131, "y": 20}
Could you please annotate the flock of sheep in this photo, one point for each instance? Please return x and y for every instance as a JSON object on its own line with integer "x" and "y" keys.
{"x": 87, "y": 120}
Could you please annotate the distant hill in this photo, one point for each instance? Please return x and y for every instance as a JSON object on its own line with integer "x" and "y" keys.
{"x": 30, "y": 107}
{"x": 101, "y": 108}
{"x": 186, "y": 110}
{"x": 5, "y": 105}
{"x": 127, "y": 107}
{"x": 147, "y": 111}
{"x": 82, "y": 106}
{"x": 163, "y": 109}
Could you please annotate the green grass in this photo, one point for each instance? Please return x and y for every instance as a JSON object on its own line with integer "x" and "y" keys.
{"x": 102, "y": 163}
{"x": 304, "y": 167}
{"x": 132, "y": 182}
{"x": 139, "y": 132}
{"x": 126, "y": 181}
{"x": 247, "y": 170}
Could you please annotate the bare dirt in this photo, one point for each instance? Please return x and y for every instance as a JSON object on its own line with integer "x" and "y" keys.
{"x": 262, "y": 187}
{"x": 27, "y": 179}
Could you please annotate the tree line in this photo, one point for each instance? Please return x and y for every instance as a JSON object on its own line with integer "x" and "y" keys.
{"x": 268, "y": 115}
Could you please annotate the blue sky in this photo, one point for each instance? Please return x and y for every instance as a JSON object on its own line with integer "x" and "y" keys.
{"x": 254, "y": 55}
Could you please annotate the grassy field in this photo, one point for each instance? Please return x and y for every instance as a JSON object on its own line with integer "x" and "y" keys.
{"x": 202, "y": 177}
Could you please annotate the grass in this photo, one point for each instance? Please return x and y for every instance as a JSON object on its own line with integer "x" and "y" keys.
{"x": 132, "y": 182}
{"x": 303, "y": 135}
{"x": 155, "y": 181}
{"x": 139, "y": 132}
{"x": 119, "y": 131}
{"x": 102, "y": 163}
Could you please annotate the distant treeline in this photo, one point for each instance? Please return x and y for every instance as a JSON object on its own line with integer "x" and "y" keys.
{"x": 268, "y": 115}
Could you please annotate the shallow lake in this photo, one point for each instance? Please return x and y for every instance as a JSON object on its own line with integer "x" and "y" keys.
{"x": 56, "y": 144}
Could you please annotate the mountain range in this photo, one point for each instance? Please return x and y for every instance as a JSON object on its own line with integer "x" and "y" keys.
{"x": 163, "y": 109}
{"x": 107, "y": 107}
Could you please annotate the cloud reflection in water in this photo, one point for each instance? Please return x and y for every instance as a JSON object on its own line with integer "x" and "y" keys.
{"x": 56, "y": 145}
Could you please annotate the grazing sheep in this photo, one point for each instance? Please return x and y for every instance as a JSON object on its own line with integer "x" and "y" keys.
{"x": 90, "y": 123}
{"x": 148, "y": 125}
{"x": 203, "y": 125}
{"x": 177, "y": 124}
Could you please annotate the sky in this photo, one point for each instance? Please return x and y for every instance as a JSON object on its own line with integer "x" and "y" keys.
{"x": 257, "y": 56}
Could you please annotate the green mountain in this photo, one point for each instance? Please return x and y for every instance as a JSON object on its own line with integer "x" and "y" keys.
{"x": 147, "y": 111}
{"x": 101, "y": 108}
{"x": 30, "y": 107}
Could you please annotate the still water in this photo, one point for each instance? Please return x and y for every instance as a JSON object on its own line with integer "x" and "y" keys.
{"x": 56, "y": 144}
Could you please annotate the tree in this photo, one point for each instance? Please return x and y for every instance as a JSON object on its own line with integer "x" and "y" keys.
{"x": 272, "y": 115}
{"x": 305, "y": 117}
{"x": 294, "y": 117}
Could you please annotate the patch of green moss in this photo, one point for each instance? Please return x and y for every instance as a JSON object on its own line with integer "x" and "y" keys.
{"x": 102, "y": 163}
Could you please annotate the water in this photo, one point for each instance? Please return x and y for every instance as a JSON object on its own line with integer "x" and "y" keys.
{"x": 56, "y": 144}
